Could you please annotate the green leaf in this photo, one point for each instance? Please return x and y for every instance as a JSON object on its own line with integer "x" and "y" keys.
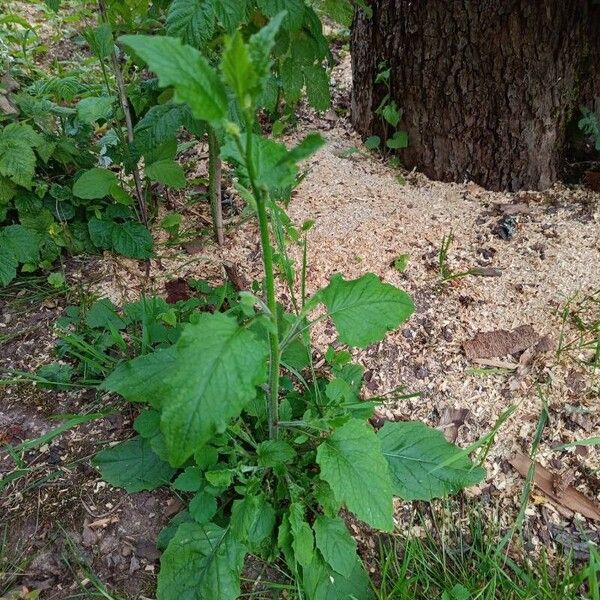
{"x": 95, "y": 184}
{"x": 317, "y": 87}
{"x": 100, "y": 40}
{"x": 340, "y": 11}
{"x": 100, "y": 233}
{"x": 103, "y": 315}
{"x": 320, "y": 582}
{"x": 131, "y": 239}
{"x": 195, "y": 82}
{"x": 167, "y": 171}
{"x": 272, "y": 453}
{"x": 372, "y": 142}
{"x": 302, "y": 535}
{"x": 203, "y": 507}
{"x": 17, "y": 163}
{"x": 133, "y": 465}
{"x": 191, "y": 20}
{"x": 294, "y": 11}
{"x": 336, "y": 544}
{"x": 202, "y": 562}
{"x": 261, "y": 44}
{"x": 8, "y": 265}
{"x": 219, "y": 477}
{"x": 423, "y": 464}
{"x": 238, "y": 70}
{"x": 252, "y": 519}
{"x": 307, "y": 147}
{"x": 160, "y": 124}
{"x": 191, "y": 480}
{"x": 202, "y": 382}
{"x": 93, "y": 109}
{"x": 230, "y": 13}
{"x": 391, "y": 114}
{"x": 352, "y": 464}
{"x": 365, "y": 309}
{"x": 292, "y": 79}
{"x": 21, "y": 242}
{"x": 398, "y": 140}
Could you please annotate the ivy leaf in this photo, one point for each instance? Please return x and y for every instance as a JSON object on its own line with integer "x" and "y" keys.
{"x": 201, "y": 383}
{"x": 423, "y": 464}
{"x": 365, "y": 309}
{"x": 201, "y": 562}
{"x": 195, "y": 82}
{"x": 336, "y": 544}
{"x": 93, "y": 109}
{"x": 191, "y": 20}
{"x": 95, "y": 184}
{"x": 131, "y": 239}
{"x": 352, "y": 464}
{"x": 398, "y": 140}
{"x": 167, "y": 171}
{"x": 134, "y": 466}
{"x": 320, "y": 582}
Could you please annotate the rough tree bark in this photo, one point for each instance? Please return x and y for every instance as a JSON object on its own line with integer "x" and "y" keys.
{"x": 487, "y": 87}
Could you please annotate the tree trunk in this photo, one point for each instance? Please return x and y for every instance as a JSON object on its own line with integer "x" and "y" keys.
{"x": 487, "y": 87}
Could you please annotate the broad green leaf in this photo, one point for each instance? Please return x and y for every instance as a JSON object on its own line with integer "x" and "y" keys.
{"x": 160, "y": 124}
{"x": 103, "y": 315}
{"x": 201, "y": 562}
{"x": 307, "y": 147}
{"x": 423, "y": 464}
{"x": 292, "y": 80}
{"x": 294, "y": 11}
{"x": 365, "y": 309}
{"x": 203, "y": 507}
{"x": 131, "y": 239}
{"x": 17, "y": 163}
{"x": 261, "y": 44}
{"x": 100, "y": 232}
{"x": 372, "y": 142}
{"x": 201, "y": 383}
{"x": 336, "y": 544}
{"x": 302, "y": 535}
{"x": 391, "y": 114}
{"x": 320, "y": 582}
{"x": 340, "y": 11}
{"x": 22, "y": 242}
{"x": 8, "y": 265}
{"x": 230, "y": 13}
{"x": 353, "y": 465}
{"x": 134, "y": 466}
{"x": 317, "y": 87}
{"x": 167, "y": 171}
{"x": 191, "y": 20}
{"x": 252, "y": 519}
{"x": 195, "y": 82}
{"x": 93, "y": 109}
{"x": 272, "y": 453}
{"x": 191, "y": 480}
{"x": 94, "y": 184}
{"x": 398, "y": 140}
{"x": 220, "y": 478}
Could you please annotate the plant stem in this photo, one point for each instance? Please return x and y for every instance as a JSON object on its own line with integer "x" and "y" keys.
{"x": 214, "y": 185}
{"x": 267, "y": 254}
{"x": 122, "y": 93}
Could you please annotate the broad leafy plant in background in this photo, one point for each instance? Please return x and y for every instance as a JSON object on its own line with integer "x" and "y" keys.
{"x": 234, "y": 415}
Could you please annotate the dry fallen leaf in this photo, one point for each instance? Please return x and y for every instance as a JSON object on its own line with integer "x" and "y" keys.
{"x": 501, "y": 342}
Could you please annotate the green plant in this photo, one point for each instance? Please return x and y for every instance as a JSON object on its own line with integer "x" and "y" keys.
{"x": 589, "y": 125}
{"x": 390, "y": 115}
{"x": 234, "y": 414}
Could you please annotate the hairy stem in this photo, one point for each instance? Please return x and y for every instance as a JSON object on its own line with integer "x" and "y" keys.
{"x": 214, "y": 185}
{"x": 267, "y": 254}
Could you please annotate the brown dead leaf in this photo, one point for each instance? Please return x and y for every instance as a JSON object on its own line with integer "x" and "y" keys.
{"x": 501, "y": 342}
{"x": 568, "y": 501}
{"x": 177, "y": 290}
{"x": 450, "y": 422}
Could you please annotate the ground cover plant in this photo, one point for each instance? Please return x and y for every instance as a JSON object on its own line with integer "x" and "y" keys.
{"x": 269, "y": 451}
